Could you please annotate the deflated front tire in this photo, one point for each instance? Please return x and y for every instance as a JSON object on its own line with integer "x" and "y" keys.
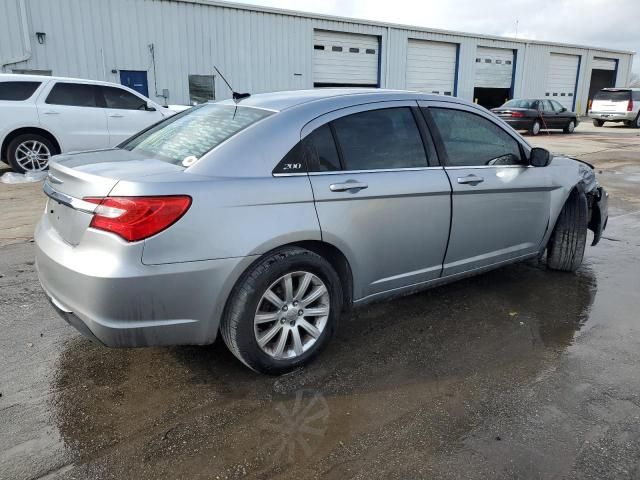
{"x": 565, "y": 249}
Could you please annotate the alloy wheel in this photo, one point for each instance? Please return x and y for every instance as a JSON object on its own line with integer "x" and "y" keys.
{"x": 291, "y": 315}
{"x": 571, "y": 127}
{"x": 536, "y": 128}
{"x": 32, "y": 155}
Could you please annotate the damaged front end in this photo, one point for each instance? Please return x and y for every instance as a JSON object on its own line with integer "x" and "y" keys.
{"x": 597, "y": 200}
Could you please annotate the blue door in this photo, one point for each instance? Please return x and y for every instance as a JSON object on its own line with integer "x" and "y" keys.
{"x": 135, "y": 79}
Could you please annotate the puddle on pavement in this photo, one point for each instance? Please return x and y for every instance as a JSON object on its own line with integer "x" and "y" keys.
{"x": 415, "y": 372}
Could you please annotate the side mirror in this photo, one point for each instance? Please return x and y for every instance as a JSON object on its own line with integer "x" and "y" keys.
{"x": 539, "y": 157}
{"x": 150, "y": 108}
{"x": 563, "y": 109}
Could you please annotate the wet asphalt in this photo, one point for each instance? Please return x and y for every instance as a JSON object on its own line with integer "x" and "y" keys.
{"x": 518, "y": 373}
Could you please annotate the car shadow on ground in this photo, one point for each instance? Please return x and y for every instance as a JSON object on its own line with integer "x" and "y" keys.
{"x": 428, "y": 354}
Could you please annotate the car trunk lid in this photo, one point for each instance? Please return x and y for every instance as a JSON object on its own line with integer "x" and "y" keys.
{"x": 73, "y": 177}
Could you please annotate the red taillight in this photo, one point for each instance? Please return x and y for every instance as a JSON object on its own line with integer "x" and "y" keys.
{"x": 137, "y": 218}
{"x": 517, "y": 114}
{"x": 630, "y": 106}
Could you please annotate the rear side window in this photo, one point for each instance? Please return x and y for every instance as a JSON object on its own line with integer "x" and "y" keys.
{"x": 636, "y": 95}
{"x": 73, "y": 94}
{"x": 380, "y": 139}
{"x": 183, "y": 138}
{"x": 471, "y": 140}
{"x": 316, "y": 152}
{"x": 613, "y": 95}
{"x": 122, "y": 100}
{"x": 16, "y": 91}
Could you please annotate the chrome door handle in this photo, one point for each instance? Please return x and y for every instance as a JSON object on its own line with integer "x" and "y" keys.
{"x": 346, "y": 186}
{"x": 51, "y": 112}
{"x": 470, "y": 179}
{"x": 116, "y": 115}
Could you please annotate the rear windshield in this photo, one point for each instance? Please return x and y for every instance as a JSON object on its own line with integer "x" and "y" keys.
{"x": 521, "y": 104}
{"x": 17, "y": 91}
{"x": 613, "y": 95}
{"x": 187, "y": 136}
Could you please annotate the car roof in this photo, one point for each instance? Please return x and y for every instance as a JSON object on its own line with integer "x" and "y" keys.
{"x": 278, "y": 101}
{"x": 624, "y": 89}
{"x": 16, "y": 77}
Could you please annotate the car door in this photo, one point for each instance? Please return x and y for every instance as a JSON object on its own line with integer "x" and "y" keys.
{"x": 380, "y": 195}
{"x": 127, "y": 113}
{"x": 562, "y": 114}
{"x": 500, "y": 204}
{"x": 549, "y": 115}
{"x": 71, "y": 112}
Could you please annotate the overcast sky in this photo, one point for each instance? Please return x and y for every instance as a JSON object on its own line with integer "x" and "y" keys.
{"x": 598, "y": 23}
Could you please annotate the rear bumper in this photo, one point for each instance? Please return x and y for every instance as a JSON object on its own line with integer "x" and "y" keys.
{"x": 114, "y": 299}
{"x": 612, "y": 116}
{"x": 519, "y": 124}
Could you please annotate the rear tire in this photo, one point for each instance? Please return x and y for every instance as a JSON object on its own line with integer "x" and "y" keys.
{"x": 571, "y": 126}
{"x": 598, "y": 123}
{"x": 636, "y": 122}
{"x": 243, "y": 332}
{"x": 30, "y": 152}
{"x": 565, "y": 249}
{"x": 535, "y": 128}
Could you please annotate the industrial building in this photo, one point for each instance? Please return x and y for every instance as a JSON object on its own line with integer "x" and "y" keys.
{"x": 167, "y": 50}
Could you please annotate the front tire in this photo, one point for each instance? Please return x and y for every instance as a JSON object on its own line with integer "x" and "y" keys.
{"x": 598, "y": 123}
{"x": 571, "y": 126}
{"x": 565, "y": 249}
{"x": 30, "y": 153}
{"x": 535, "y": 128}
{"x": 283, "y": 311}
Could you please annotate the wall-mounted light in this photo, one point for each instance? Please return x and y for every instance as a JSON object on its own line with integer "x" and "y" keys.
{"x": 41, "y": 37}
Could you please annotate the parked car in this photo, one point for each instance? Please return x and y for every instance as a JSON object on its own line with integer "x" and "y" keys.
{"x": 43, "y": 116}
{"x": 616, "y": 105}
{"x": 264, "y": 219}
{"x": 534, "y": 115}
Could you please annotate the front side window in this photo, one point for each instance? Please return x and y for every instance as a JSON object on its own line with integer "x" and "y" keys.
{"x": 73, "y": 94}
{"x": 379, "y": 139}
{"x": 122, "y": 100}
{"x": 183, "y": 138}
{"x": 201, "y": 89}
{"x": 17, "y": 91}
{"x": 556, "y": 106}
{"x": 471, "y": 140}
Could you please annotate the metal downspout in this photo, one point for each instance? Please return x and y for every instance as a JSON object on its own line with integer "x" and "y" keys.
{"x": 25, "y": 37}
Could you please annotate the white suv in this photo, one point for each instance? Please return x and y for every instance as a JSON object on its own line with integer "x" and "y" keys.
{"x": 616, "y": 105}
{"x": 44, "y": 116}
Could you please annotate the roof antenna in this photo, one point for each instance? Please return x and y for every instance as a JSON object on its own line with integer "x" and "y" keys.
{"x": 235, "y": 95}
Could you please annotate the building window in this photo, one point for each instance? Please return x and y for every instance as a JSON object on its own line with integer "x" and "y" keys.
{"x": 478, "y": 60}
{"x": 371, "y": 51}
{"x": 555, "y": 94}
{"x": 487, "y": 60}
{"x": 447, "y": 93}
{"x": 336, "y": 49}
{"x": 22, "y": 71}
{"x": 562, "y": 94}
{"x": 201, "y": 89}
{"x": 318, "y": 47}
{"x": 546, "y": 94}
{"x": 498, "y": 62}
{"x": 354, "y": 50}
{"x": 508, "y": 62}
{"x": 570, "y": 94}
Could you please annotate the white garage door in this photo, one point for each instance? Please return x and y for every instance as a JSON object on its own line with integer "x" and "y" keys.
{"x": 603, "y": 64}
{"x": 562, "y": 77}
{"x": 431, "y": 67}
{"x": 345, "y": 59}
{"x": 494, "y": 67}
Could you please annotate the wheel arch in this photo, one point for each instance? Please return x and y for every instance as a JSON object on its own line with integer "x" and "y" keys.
{"x": 26, "y": 130}
{"x": 326, "y": 250}
{"x": 576, "y": 189}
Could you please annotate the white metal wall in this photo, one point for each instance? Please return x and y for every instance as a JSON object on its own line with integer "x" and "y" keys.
{"x": 258, "y": 49}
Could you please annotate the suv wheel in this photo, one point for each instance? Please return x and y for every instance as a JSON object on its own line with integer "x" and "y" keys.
{"x": 283, "y": 311}
{"x": 598, "y": 123}
{"x": 636, "y": 122}
{"x": 571, "y": 126}
{"x": 30, "y": 153}
{"x": 535, "y": 128}
{"x": 565, "y": 249}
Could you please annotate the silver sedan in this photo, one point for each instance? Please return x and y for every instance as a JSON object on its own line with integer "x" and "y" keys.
{"x": 265, "y": 219}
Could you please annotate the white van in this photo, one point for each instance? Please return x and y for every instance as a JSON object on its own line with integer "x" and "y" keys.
{"x": 616, "y": 105}
{"x": 43, "y": 116}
